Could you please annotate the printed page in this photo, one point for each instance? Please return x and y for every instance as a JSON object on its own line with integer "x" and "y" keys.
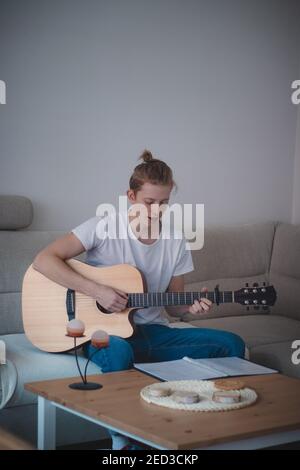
{"x": 230, "y": 366}
{"x": 177, "y": 370}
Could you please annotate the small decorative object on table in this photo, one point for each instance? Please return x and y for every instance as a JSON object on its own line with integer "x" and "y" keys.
{"x": 99, "y": 339}
{"x": 200, "y": 395}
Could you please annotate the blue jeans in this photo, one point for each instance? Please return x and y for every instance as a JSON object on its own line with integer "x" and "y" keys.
{"x": 155, "y": 343}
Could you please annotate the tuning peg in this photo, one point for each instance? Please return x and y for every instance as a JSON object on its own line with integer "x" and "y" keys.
{"x": 264, "y": 283}
{"x": 247, "y": 308}
{"x": 256, "y": 308}
{"x": 247, "y": 285}
{"x": 255, "y": 284}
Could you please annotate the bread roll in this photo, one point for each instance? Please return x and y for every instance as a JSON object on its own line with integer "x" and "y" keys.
{"x": 185, "y": 397}
{"x": 159, "y": 392}
{"x": 226, "y": 397}
{"x": 229, "y": 384}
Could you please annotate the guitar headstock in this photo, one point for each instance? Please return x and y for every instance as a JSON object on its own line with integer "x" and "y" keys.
{"x": 264, "y": 296}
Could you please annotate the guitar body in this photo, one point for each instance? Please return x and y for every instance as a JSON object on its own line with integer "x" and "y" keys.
{"x": 44, "y": 306}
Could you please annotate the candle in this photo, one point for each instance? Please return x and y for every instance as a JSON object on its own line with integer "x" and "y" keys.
{"x": 75, "y": 328}
{"x": 100, "y": 339}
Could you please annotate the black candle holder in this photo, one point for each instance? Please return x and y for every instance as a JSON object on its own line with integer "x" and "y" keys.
{"x": 84, "y": 385}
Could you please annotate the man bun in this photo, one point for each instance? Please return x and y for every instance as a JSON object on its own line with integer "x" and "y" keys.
{"x": 146, "y": 156}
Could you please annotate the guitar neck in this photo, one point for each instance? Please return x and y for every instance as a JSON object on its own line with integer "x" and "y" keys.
{"x": 164, "y": 299}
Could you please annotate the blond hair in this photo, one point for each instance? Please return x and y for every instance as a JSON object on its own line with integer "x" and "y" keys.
{"x": 151, "y": 170}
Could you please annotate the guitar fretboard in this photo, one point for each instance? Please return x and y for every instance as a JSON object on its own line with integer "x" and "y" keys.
{"x": 163, "y": 299}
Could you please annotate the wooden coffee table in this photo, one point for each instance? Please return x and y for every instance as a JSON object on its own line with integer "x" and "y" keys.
{"x": 274, "y": 419}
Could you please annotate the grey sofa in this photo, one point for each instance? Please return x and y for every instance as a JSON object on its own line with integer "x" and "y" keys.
{"x": 264, "y": 252}
{"x": 25, "y": 363}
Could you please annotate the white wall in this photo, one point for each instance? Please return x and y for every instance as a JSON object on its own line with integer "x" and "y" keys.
{"x": 204, "y": 84}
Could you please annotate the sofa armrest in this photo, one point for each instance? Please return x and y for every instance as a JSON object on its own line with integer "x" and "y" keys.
{"x": 8, "y": 382}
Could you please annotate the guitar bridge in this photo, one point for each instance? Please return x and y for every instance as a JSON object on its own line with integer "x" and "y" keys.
{"x": 70, "y": 304}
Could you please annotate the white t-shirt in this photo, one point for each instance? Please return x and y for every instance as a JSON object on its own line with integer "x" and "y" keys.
{"x": 159, "y": 261}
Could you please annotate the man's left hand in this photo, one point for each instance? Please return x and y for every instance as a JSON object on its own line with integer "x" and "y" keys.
{"x": 203, "y": 305}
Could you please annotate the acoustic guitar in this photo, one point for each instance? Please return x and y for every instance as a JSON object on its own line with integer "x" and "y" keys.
{"x": 48, "y": 306}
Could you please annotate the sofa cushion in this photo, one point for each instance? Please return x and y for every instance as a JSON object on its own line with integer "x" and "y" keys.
{"x": 285, "y": 270}
{"x": 256, "y": 329}
{"x": 286, "y": 251}
{"x": 233, "y": 252}
{"x": 17, "y": 251}
{"x": 15, "y": 212}
{"x": 26, "y": 363}
{"x": 277, "y": 356}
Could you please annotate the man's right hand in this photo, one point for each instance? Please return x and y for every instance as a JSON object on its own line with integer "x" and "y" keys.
{"x": 113, "y": 300}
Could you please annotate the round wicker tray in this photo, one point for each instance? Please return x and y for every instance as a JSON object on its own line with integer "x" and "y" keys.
{"x": 204, "y": 388}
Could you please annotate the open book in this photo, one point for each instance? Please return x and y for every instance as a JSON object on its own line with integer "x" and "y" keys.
{"x": 202, "y": 369}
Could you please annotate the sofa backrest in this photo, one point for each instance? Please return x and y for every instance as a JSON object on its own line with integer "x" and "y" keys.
{"x": 285, "y": 270}
{"x": 18, "y": 248}
{"x": 17, "y": 251}
{"x": 231, "y": 257}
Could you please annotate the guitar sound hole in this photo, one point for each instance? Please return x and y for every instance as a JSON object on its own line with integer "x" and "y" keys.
{"x": 102, "y": 309}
